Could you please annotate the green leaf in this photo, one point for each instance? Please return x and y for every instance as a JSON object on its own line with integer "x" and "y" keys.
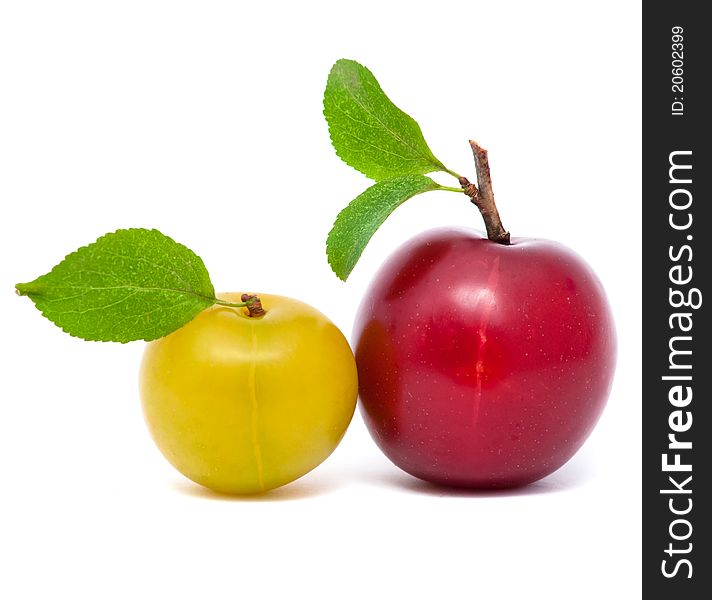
{"x": 357, "y": 223}
{"x": 128, "y": 285}
{"x": 368, "y": 131}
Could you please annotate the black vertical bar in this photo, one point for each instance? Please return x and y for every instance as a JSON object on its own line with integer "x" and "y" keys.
{"x": 677, "y": 545}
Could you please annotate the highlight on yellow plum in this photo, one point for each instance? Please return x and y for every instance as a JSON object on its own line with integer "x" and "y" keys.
{"x": 246, "y": 399}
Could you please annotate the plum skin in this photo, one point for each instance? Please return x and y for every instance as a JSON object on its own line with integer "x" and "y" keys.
{"x": 483, "y": 365}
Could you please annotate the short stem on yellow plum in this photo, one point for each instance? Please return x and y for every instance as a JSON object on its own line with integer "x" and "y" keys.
{"x": 251, "y": 302}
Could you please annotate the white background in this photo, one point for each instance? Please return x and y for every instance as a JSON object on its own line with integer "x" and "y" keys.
{"x": 204, "y": 120}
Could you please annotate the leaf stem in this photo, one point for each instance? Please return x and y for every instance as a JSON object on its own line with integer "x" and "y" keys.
{"x": 230, "y": 304}
{"x": 455, "y": 175}
{"x": 447, "y": 188}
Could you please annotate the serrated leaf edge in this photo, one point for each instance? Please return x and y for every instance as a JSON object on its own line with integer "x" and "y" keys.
{"x": 437, "y": 165}
{"x": 329, "y": 245}
{"x": 28, "y": 293}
